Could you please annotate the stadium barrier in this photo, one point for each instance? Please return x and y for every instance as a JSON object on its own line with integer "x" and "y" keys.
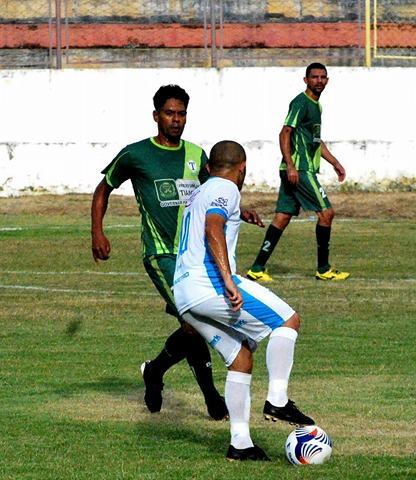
{"x": 58, "y": 129}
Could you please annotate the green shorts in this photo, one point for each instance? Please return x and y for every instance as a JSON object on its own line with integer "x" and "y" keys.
{"x": 161, "y": 270}
{"x": 307, "y": 194}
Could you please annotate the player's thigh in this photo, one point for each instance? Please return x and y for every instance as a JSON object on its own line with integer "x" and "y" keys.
{"x": 161, "y": 270}
{"x": 310, "y": 194}
{"x": 262, "y": 311}
{"x": 226, "y": 341}
{"x": 286, "y": 200}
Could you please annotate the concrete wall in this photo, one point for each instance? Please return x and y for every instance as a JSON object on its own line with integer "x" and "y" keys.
{"x": 185, "y": 10}
{"x": 58, "y": 129}
{"x": 192, "y": 10}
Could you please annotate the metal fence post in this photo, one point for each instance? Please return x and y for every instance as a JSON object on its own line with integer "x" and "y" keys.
{"x": 367, "y": 33}
{"x": 213, "y": 37}
{"x": 58, "y": 19}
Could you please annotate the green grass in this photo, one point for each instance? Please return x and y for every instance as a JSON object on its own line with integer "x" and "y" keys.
{"x": 73, "y": 333}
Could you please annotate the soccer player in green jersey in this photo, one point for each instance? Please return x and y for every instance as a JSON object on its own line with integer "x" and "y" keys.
{"x": 164, "y": 171}
{"x": 302, "y": 149}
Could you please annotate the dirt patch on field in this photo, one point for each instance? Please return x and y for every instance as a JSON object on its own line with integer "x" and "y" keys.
{"x": 389, "y": 205}
{"x": 348, "y": 205}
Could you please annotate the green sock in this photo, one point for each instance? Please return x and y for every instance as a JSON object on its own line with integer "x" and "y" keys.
{"x": 323, "y": 234}
{"x": 271, "y": 238}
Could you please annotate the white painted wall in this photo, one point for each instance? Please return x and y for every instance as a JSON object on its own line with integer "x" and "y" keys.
{"x": 58, "y": 129}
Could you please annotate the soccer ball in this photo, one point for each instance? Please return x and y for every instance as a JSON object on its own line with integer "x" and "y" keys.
{"x": 308, "y": 445}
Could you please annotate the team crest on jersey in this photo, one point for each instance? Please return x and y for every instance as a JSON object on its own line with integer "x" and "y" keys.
{"x": 191, "y": 165}
{"x": 317, "y": 133}
{"x": 166, "y": 189}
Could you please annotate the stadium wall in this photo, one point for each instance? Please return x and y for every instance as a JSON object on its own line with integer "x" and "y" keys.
{"x": 58, "y": 129}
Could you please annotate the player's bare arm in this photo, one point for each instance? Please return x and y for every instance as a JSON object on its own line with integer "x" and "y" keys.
{"x": 327, "y": 155}
{"x": 214, "y": 231}
{"x": 100, "y": 244}
{"x": 284, "y": 141}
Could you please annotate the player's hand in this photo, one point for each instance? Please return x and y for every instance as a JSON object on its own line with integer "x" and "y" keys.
{"x": 340, "y": 171}
{"x": 292, "y": 175}
{"x": 234, "y": 295}
{"x": 251, "y": 216}
{"x": 100, "y": 247}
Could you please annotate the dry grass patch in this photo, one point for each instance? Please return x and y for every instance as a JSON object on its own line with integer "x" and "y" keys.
{"x": 347, "y": 205}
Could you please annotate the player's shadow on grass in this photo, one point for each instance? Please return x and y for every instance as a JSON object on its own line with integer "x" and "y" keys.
{"x": 163, "y": 433}
{"x": 202, "y": 441}
{"x": 111, "y": 385}
{"x": 278, "y": 270}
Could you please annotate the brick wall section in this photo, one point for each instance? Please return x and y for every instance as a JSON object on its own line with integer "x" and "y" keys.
{"x": 301, "y": 35}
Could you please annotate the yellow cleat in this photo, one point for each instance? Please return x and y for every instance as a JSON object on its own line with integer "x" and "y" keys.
{"x": 259, "y": 276}
{"x": 332, "y": 274}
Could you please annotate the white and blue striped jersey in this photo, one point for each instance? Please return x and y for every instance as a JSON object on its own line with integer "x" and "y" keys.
{"x": 197, "y": 277}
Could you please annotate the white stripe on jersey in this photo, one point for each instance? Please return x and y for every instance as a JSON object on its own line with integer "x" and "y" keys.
{"x": 197, "y": 277}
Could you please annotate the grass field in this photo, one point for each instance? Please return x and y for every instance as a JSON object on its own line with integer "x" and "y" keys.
{"x": 73, "y": 334}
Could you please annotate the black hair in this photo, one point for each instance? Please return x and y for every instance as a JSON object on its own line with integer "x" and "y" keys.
{"x": 166, "y": 92}
{"x": 317, "y": 65}
{"x": 225, "y": 155}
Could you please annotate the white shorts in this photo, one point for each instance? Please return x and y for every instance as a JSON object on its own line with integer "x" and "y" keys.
{"x": 225, "y": 330}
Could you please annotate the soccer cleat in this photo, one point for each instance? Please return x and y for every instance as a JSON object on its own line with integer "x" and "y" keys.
{"x": 289, "y": 413}
{"x": 217, "y": 409}
{"x": 154, "y": 387}
{"x": 332, "y": 274}
{"x": 251, "y": 453}
{"x": 259, "y": 276}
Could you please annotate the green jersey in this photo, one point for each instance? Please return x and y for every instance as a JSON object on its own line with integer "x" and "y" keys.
{"x": 163, "y": 179}
{"x": 305, "y": 117}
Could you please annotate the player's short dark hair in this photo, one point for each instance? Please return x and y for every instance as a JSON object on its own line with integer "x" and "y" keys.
{"x": 166, "y": 92}
{"x": 317, "y": 65}
{"x": 225, "y": 155}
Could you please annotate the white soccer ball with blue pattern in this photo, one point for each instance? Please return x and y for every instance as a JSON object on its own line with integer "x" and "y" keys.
{"x": 309, "y": 445}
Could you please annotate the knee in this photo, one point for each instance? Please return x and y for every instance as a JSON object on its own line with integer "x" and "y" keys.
{"x": 188, "y": 329}
{"x": 326, "y": 217}
{"x": 243, "y": 361}
{"x": 281, "y": 220}
{"x": 293, "y": 322}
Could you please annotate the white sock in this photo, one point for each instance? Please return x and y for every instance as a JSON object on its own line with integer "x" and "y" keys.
{"x": 279, "y": 360}
{"x": 238, "y": 401}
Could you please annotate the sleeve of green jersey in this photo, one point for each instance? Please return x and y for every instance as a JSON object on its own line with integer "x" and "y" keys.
{"x": 295, "y": 114}
{"x": 118, "y": 171}
{"x": 203, "y": 172}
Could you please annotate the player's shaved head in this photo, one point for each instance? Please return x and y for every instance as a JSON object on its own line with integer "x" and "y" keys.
{"x": 225, "y": 155}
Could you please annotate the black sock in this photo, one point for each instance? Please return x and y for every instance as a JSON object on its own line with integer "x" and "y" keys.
{"x": 271, "y": 238}
{"x": 323, "y": 234}
{"x": 199, "y": 359}
{"x": 175, "y": 350}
